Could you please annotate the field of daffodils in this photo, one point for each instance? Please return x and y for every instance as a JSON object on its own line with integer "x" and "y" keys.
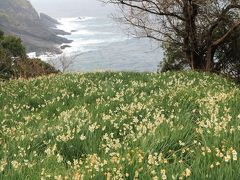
{"x": 120, "y": 126}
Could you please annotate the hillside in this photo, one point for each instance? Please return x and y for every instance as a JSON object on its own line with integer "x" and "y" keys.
{"x": 18, "y": 17}
{"x": 120, "y": 126}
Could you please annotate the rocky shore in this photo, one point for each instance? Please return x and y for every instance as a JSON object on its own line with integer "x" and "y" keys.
{"x": 38, "y": 32}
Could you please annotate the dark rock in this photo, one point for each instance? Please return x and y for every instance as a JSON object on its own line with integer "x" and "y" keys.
{"x": 38, "y": 33}
{"x": 60, "y": 32}
{"x": 65, "y": 46}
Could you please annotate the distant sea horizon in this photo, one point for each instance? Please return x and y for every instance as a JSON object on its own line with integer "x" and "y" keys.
{"x": 99, "y": 44}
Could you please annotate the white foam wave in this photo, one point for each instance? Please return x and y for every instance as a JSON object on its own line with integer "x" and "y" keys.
{"x": 44, "y": 57}
{"x": 76, "y": 19}
{"x": 85, "y": 18}
{"x": 85, "y": 37}
{"x": 82, "y": 45}
{"x": 70, "y": 24}
{"x": 85, "y": 32}
{"x": 32, "y": 55}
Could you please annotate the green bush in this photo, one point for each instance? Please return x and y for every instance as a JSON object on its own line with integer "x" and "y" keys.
{"x": 6, "y": 70}
{"x": 28, "y": 68}
{"x": 14, "y": 46}
{"x": 1, "y": 34}
{"x": 14, "y": 62}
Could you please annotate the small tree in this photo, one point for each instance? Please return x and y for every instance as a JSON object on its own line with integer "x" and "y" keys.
{"x": 64, "y": 62}
{"x": 14, "y": 46}
{"x": 1, "y": 34}
{"x": 6, "y": 70}
{"x": 173, "y": 59}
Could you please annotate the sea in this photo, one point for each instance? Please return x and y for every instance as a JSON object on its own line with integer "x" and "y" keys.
{"x": 102, "y": 44}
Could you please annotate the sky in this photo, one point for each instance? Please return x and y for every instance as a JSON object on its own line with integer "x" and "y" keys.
{"x": 72, "y": 8}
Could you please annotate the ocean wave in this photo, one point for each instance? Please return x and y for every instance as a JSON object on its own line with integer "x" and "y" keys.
{"x": 76, "y": 19}
{"x": 70, "y": 24}
{"x": 98, "y": 43}
{"x": 44, "y": 57}
{"x": 32, "y": 55}
{"x": 86, "y": 32}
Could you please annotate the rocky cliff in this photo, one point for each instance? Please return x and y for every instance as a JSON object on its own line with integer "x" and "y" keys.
{"x": 38, "y": 33}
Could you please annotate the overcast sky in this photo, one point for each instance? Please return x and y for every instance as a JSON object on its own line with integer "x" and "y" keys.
{"x": 72, "y": 8}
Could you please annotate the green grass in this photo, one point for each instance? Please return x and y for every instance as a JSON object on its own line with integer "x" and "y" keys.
{"x": 108, "y": 125}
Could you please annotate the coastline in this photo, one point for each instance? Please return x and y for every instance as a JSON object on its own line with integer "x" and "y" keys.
{"x": 64, "y": 29}
{"x": 100, "y": 44}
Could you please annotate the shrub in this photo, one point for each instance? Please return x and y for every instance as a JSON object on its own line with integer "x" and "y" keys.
{"x": 14, "y": 62}
{"x": 14, "y": 46}
{"x": 27, "y": 68}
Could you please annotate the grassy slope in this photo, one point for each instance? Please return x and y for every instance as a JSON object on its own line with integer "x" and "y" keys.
{"x": 120, "y": 125}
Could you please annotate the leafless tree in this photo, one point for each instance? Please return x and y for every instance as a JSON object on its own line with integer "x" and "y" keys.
{"x": 193, "y": 25}
{"x": 63, "y": 62}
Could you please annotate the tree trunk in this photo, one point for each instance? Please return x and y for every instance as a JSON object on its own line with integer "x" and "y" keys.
{"x": 209, "y": 59}
{"x": 190, "y": 39}
{"x": 199, "y": 62}
{"x": 195, "y": 59}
